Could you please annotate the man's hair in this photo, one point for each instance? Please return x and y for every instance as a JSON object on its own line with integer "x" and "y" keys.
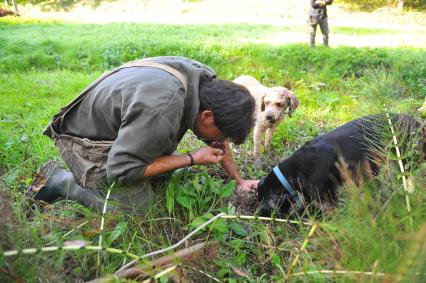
{"x": 232, "y": 107}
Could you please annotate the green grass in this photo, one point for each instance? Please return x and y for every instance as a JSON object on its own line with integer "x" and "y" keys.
{"x": 43, "y": 65}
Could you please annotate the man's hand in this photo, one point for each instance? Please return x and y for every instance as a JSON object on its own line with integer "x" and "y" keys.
{"x": 207, "y": 155}
{"x": 320, "y": 2}
{"x": 247, "y": 185}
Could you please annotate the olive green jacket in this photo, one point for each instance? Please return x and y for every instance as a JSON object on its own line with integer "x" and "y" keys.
{"x": 145, "y": 111}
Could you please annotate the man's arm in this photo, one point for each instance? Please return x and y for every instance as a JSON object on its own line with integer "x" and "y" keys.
{"x": 228, "y": 164}
{"x": 163, "y": 164}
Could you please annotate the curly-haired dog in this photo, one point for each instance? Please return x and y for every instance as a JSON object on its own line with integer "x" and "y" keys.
{"x": 351, "y": 152}
{"x": 271, "y": 105}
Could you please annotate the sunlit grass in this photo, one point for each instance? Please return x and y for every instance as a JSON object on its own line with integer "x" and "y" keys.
{"x": 44, "y": 65}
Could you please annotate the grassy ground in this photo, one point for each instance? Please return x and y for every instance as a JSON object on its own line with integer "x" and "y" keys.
{"x": 44, "y": 64}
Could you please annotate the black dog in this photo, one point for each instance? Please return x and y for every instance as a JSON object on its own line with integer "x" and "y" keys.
{"x": 315, "y": 171}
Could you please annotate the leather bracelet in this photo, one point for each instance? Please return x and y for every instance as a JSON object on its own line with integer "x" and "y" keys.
{"x": 192, "y": 159}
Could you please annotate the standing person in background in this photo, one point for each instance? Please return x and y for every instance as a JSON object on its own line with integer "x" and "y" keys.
{"x": 318, "y": 16}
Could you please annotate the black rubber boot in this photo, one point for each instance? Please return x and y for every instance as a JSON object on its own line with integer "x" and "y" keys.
{"x": 60, "y": 184}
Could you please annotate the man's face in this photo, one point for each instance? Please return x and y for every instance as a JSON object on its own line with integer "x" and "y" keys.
{"x": 205, "y": 128}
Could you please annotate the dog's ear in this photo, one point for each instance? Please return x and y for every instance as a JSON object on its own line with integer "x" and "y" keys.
{"x": 262, "y": 103}
{"x": 293, "y": 102}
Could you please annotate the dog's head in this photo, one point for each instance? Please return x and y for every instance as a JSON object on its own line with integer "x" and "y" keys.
{"x": 274, "y": 197}
{"x": 276, "y": 102}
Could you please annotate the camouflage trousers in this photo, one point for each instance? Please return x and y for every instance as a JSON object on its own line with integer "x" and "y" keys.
{"x": 86, "y": 160}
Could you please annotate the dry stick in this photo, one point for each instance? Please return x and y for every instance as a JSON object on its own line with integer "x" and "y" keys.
{"x": 173, "y": 246}
{"x": 134, "y": 272}
{"x": 401, "y": 167}
{"x": 302, "y": 248}
{"x": 98, "y": 262}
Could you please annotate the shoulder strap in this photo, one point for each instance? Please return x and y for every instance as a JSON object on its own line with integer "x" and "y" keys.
{"x": 57, "y": 119}
{"x": 138, "y": 63}
{"x": 149, "y": 63}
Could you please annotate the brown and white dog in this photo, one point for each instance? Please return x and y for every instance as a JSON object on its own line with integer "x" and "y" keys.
{"x": 271, "y": 105}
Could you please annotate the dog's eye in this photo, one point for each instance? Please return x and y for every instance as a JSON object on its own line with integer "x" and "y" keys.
{"x": 279, "y": 104}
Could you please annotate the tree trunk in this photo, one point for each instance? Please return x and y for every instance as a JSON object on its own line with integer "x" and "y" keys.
{"x": 5, "y": 2}
{"x": 15, "y": 6}
{"x": 400, "y": 4}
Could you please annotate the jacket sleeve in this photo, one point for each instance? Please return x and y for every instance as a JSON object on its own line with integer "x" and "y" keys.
{"x": 144, "y": 135}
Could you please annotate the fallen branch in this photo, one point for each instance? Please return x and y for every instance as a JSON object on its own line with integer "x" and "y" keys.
{"x": 133, "y": 262}
{"x": 156, "y": 265}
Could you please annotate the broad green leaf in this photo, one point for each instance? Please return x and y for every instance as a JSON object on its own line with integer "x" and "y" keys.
{"x": 200, "y": 220}
{"x": 227, "y": 190}
{"x": 170, "y": 199}
{"x": 220, "y": 226}
{"x": 275, "y": 259}
{"x": 238, "y": 229}
{"x": 118, "y": 231}
{"x": 184, "y": 201}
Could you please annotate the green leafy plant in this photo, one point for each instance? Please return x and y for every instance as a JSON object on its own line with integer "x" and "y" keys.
{"x": 198, "y": 197}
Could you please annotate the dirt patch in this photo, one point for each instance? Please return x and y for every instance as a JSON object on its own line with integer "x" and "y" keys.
{"x": 244, "y": 203}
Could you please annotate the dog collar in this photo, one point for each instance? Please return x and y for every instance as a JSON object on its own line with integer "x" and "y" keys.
{"x": 287, "y": 186}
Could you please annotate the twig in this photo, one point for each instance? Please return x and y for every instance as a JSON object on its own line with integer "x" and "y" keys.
{"x": 302, "y": 248}
{"x": 136, "y": 271}
{"x": 173, "y": 246}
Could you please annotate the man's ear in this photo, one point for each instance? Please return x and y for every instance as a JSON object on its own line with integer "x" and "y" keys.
{"x": 207, "y": 116}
